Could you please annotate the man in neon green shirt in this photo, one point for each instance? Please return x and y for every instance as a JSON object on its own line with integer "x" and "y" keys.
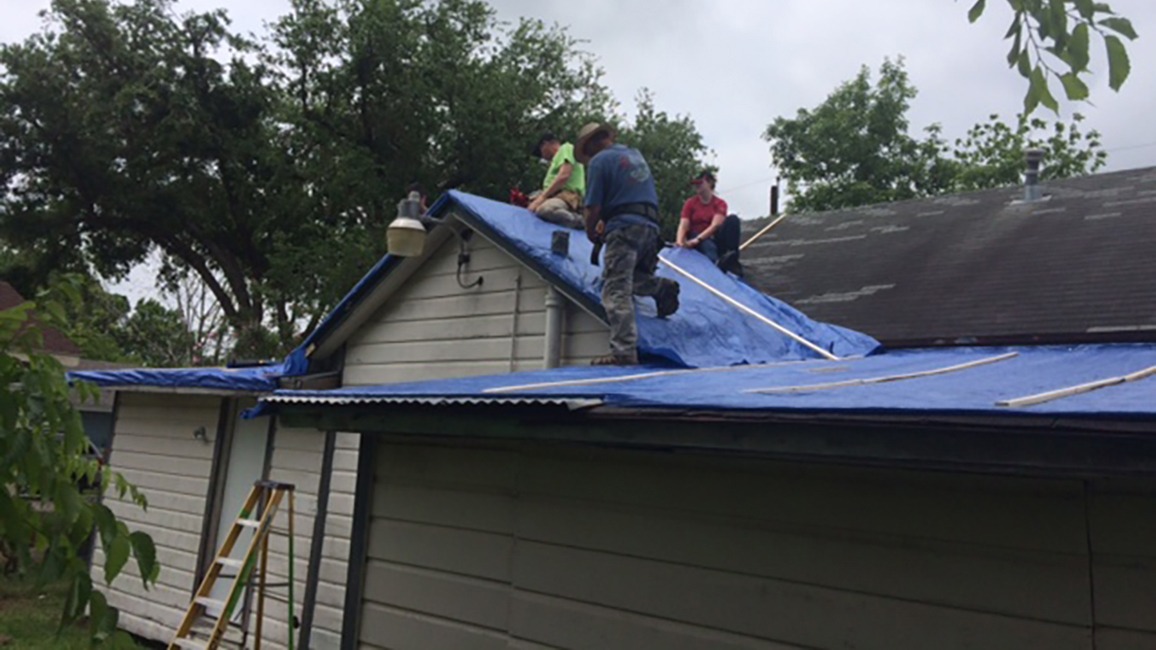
{"x": 560, "y": 200}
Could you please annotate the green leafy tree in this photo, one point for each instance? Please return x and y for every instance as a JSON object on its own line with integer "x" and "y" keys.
{"x": 157, "y": 336}
{"x": 992, "y": 152}
{"x": 855, "y": 148}
{"x": 267, "y": 168}
{"x": 675, "y": 151}
{"x": 380, "y": 94}
{"x": 93, "y": 319}
{"x": 1051, "y": 40}
{"x": 125, "y": 129}
{"x": 46, "y": 514}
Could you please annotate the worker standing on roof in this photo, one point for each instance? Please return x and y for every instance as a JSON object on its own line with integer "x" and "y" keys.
{"x": 622, "y": 213}
{"x": 560, "y": 200}
{"x": 706, "y": 227}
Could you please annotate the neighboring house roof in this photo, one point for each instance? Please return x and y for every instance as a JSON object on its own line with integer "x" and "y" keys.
{"x": 925, "y": 384}
{"x": 980, "y": 267}
{"x": 706, "y": 331}
{"x": 54, "y": 341}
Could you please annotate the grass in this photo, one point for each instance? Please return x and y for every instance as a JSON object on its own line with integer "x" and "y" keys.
{"x": 30, "y": 616}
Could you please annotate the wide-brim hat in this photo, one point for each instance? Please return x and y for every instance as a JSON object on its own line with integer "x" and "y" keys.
{"x": 588, "y": 133}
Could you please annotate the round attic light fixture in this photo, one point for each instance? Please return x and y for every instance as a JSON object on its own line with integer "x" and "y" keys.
{"x": 405, "y": 236}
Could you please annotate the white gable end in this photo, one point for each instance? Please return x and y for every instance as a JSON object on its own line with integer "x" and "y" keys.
{"x": 434, "y": 328}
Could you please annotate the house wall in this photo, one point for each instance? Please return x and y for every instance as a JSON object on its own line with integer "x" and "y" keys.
{"x": 154, "y": 448}
{"x": 541, "y": 547}
{"x": 296, "y": 459}
{"x": 432, "y": 328}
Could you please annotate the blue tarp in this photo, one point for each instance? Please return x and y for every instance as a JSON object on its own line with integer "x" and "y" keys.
{"x": 970, "y": 391}
{"x": 257, "y": 379}
{"x": 706, "y": 331}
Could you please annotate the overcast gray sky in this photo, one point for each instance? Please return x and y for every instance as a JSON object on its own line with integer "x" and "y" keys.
{"x": 734, "y": 65}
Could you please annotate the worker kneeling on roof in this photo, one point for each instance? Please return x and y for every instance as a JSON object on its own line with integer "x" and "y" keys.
{"x": 706, "y": 227}
{"x": 560, "y": 200}
{"x": 622, "y": 214}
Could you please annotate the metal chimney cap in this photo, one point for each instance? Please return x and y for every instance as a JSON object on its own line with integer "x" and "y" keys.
{"x": 1034, "y": 156}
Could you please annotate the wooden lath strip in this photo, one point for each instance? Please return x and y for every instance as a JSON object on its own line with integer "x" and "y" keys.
{"x": 748, "y": 311}
{"x": 1060, "y": 393}
{"x": 885, "y": 378}
{"x": 568, "y": 383}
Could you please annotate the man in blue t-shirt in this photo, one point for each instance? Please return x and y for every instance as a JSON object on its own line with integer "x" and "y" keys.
{"x": 622, "y": 213}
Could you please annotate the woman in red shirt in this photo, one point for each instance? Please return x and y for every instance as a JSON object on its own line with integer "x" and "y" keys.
{"x": 702, "y": 216}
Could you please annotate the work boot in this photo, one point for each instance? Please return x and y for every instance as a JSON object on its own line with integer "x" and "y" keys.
{"x": 730, "y": 263}
{"x": 616, "y": 360}
{"x": 667, "y": 298}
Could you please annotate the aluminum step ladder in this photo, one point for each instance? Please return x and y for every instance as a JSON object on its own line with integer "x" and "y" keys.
{"x": 198, "y": 629}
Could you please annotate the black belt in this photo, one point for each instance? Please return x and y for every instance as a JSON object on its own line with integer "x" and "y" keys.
{"x": 646, "y": 210}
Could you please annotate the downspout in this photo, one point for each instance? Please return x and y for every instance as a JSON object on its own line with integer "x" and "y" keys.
{"x": 359, "y": 542}
{"x": 317, "y": 545}
{"x": 514, "y": 325}
{"x": 554, "y": 304}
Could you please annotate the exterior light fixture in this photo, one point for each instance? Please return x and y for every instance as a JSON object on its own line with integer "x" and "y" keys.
{"x": 405, "y": 236}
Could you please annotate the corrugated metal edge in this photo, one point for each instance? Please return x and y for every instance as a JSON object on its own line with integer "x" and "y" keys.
{"x": 573, "y": 404}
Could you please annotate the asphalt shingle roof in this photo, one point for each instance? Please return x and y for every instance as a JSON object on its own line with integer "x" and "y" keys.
{"x": 978, "y": 267}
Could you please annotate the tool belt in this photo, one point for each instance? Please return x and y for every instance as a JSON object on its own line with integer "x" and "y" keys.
{"x": 641, "y": 209}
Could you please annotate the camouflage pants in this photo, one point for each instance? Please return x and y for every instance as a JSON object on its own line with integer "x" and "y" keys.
{"x": 629, "y": 259}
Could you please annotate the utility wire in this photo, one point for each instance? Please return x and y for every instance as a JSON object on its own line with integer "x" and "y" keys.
{"x": 1130, "y": 147}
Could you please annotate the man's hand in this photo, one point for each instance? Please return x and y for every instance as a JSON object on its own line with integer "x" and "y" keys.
{"x": 536, "y": 204}
{"x": 595, "y": 234}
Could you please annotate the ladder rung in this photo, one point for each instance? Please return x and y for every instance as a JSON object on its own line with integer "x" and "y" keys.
{"x": 206, "y": 624}
{"x": 206, "y": 602}
{"x": 230, "y": 562}
{"x": 266, "y": 496}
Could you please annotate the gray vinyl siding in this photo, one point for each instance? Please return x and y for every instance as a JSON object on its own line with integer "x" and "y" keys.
{"x": 297, "y": 458}
{"x": 432, "y": 328}
{"x": 154, "y": 448}
{"x": 533, "y": 547}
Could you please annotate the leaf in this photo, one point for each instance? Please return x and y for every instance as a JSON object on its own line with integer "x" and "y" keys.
{"x": 1077, "y": 49}
{"x": 1032, "y": 98}
{"x": 976, "y": 11}
{"x": 1121, "y": 26}
{"x": 1039, "y": 82}
{"x": 116, "y": 558}
{"x": 1014, "y": 53}
{"x": 1074, "y": 88}
{"x": 1118, "y": 64}
{"x": 98, "y": 613}
{"x": 1024, "y": 64}
{"x": 146, "y": 556}
{"x": 105, "y": 523}
{"x": 1058, "y": 23}
{"x": 1087, "y": 9}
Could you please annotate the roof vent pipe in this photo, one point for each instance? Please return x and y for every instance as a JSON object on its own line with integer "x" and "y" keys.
{"x": 1032, "y": 157}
